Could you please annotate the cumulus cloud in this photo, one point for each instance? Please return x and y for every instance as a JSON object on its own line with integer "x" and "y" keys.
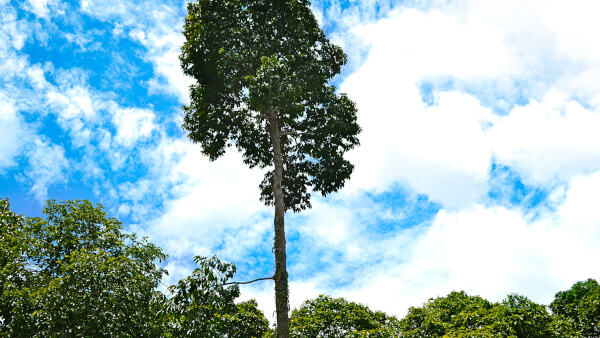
{"x": 14, "y": 32}
{"x": 157, "y": 27}
{"x": 163, "y": 43}
{"x": 549, "y": 141}
{"x": 207, "y": 204}
{"x": 76, "y": 109}
{"x": 444, "y": 91}
{"x": 107, "y": 9}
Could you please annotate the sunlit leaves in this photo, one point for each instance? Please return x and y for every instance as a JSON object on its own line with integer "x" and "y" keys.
{"x": 580, "y": 306}
{"x": 338, "y": 318}
{"x": 461, "y": 315}
{"x": 76, "y": 273}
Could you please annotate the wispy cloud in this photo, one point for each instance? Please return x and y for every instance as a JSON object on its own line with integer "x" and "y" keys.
{"x": 12, "y": 133}
{"x": 44, "y": 8}
{"x": 47, "y": 166}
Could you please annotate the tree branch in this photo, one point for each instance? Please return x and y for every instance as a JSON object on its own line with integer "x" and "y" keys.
{"x": 252, "y": 281}
{"x": 294, "y": 133}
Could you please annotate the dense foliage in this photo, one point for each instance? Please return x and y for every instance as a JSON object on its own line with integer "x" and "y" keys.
{"x": 338, "y": 318}
{"x": 76, "y": 273}
{"x": 250, "y": 57}
{"x": 461, "y": 315}
{"x": 580, "y": 306}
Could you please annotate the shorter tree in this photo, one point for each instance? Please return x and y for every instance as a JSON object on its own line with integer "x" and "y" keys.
{"x": 580, "y": 305}
{"x": 247, "y": 322}
{"x": 446, "y": 316}
{"x": 76, "y": 274}
{"x": 338, "y": 318}
{"x": 462, "y": 315}
{"x": 201, "y": 301}
{"x": 202, "y": 305}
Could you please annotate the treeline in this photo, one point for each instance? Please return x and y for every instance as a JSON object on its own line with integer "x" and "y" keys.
{"x": 77, "y": 274}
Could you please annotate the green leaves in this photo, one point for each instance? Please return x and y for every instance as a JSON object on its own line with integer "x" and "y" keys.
{"x": 249, "y": 56}
{"x": 75, "y": 273}
{"x": 461, "y": 315}
{"x": 200, "y": 301}
{"x": 580, "y": 306}
{"x": 247, "y": 322}
{"x": 336, "y": 317}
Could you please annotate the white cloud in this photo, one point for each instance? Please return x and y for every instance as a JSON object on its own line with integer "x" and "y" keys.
{"x": 12, "y": 133}
{"x": 549, "y": 142}
{"x": 205, "y": 202}
{"x": 163, "y": 42}
{"x": 107, "y": 9}
{"x": 132, "y": 124}
{"x": 157, "y": 27}
{"x": 44, "y": 8}
{"x": 76, "y": 111}
{"x": 581, "y": 204}
{"x": 439, "y": 150}
{"x": 483, "y": 52}
{"x": 47, "y": 166}
{"x": 13, "y": 32}
{"x": 489, "y": 251}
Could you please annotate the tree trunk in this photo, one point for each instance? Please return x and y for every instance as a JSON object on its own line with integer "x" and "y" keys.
{"x": 281, "y": 282}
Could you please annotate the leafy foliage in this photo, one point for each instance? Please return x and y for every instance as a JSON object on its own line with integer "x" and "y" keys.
{"x": 76, "y": 274}
{"x": 580, "y": 306}
{"x": 201, "y": 301}
{"x": 336, "y": 317}
{"x": 247, "y": 322}
{"x": 461, "y": 315}
{"x": 249, "y": 57}
{"x": 457, "y": 312}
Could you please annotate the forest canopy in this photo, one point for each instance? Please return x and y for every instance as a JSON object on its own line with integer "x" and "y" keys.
{"x": 76, "y": 272}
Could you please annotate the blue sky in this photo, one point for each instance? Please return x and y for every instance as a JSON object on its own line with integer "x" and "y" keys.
{"x": 479, "y": 165}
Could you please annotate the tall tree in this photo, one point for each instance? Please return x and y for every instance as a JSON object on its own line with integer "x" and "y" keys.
{"x": 262, "y": 69}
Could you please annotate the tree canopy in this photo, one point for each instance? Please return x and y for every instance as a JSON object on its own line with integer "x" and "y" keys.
{"x": 580, "y": 306}
{"x": 461, "y": 315}
{"x": 76, "y": 273}
{"x": 250, "y": 57}
{"x": 338, "y": 318}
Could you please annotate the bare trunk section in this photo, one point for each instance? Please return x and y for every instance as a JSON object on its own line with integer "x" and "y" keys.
{"x": 281, "y": 282}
